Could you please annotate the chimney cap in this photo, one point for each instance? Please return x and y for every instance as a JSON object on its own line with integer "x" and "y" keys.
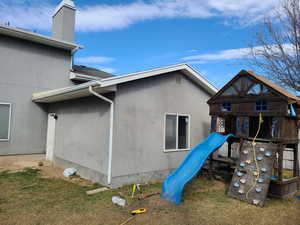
{"x": 67, "y": 3}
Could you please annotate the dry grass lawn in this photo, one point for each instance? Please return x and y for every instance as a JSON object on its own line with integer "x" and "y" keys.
{"x": 28, "y": 198}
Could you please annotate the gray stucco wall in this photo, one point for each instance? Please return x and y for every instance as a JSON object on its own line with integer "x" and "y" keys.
{"x": 81, "y": 136}
{"x": 82, "y": 129}
{"x": 140, "y": 108}
{"x": 26, "y": 68}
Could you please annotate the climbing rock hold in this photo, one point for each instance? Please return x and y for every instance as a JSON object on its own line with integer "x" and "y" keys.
{"x": 255, "y": 173}
{"x": 239, "y": 174}
{"x": 245, "y": 152}
{"x": 236, "y": 185}
{"x": 243, "y": 180}
{"x": 255, "y": 201}
{"x": 262, "y": 149}
{"x": 248, "y": 161}
{"x": 260, "y": 180}
{"x": 241, "y": 191}
{"x": 258, "y": 189}
{"x": 259, "y": 158}
{"x": 268, "y": 154}
{"x": 263, "y": 170}
{"x": 242, "y": 164}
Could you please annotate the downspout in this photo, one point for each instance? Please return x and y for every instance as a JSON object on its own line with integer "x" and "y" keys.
{"x": 111, "y": 126}
{"x": 73, "y": 51}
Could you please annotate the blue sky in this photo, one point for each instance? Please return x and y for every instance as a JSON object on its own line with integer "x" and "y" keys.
{"x": 127, "y": 36}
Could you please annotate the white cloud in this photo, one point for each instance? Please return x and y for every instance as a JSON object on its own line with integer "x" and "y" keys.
{"x": 234, "y": 54}
{"x": 196, "y": 62}
{"x": 192, "y": 51}
{"x": 94, "y": 59}
{"x": 30, "y": 16}
{"x": 36, "y": 15}
{"x": 220, "y": 55}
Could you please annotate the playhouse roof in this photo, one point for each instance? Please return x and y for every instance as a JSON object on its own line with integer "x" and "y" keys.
{"x": 274, "y": 87}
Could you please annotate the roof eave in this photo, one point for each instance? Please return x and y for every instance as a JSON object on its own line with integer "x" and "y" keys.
{"x": 188, "y": 70}
{"x": 82, "y": 77}
{"x": 38, "y": 38}
{"x": 110, "y": 84}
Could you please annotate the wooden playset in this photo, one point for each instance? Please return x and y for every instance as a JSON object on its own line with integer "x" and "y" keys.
{"x": 264, "y": 119}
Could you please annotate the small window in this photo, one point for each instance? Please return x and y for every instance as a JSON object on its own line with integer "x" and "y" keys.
{"x": 258, "y": 89}
{"x": 5, "y": 112}
{"x": 261, "y": 105}
{"x": 229, "y": 92}
{"x": 177, "y": 135}
{"x": 226, "y": 107}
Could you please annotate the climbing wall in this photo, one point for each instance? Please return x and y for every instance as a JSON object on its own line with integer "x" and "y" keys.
{"x": 251, "y": 179}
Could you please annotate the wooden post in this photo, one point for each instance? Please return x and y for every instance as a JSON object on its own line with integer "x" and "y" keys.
{"x": 280, "y": 161}
{"x": 229, "y": 149}
{"x": 296, "y": 161}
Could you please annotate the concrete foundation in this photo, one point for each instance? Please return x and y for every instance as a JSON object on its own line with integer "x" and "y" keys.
{"x": 84, "y": 172}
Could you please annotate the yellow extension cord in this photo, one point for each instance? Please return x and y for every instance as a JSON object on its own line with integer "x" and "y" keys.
{"x": 254, "y": 155}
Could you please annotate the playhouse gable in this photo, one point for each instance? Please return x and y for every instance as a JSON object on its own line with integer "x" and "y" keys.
{"x": 244, "y": 85}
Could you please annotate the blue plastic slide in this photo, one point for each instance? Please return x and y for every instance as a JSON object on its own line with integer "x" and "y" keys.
{"x": 193, "y": 162}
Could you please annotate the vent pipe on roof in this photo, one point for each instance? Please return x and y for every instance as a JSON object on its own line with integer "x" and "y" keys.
{"x": 63, "y": 21}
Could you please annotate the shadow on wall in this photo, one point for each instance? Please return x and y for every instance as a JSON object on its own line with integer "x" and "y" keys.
{"x": 206, "y": 129}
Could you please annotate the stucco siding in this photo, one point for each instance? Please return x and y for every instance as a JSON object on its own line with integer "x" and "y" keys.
{"x": 26, "y": 68}
{"x": 82, "y": 133}
{"x": 139, "y": 131}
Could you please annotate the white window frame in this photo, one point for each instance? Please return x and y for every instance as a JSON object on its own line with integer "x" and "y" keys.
{"x": 9, "y": 121}
{"x": 189, "y": 132}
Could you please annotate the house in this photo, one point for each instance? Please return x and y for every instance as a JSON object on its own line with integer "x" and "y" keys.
{"x": 127, "y": 129}
{"x": 30, "y": 62}
{"x": 114, "y": 129}
{"x": 255, "y": 109}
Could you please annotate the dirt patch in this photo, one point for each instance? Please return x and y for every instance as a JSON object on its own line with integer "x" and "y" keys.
{"x": 17, "y": 163}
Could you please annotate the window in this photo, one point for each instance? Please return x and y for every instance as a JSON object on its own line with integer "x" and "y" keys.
{"x": 230, "y": 91}
{"x": 226, "y": 107}
{"x": 5, "y": 112}
{"x": 177, "y": 132}
{"x": 261, "y": 105}
{"x": 258, "y": 89}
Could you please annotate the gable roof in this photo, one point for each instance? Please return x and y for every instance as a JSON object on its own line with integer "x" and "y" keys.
{"x": 107, "y": 83}
{"x": 37, "y": 38}
{"x": 276, "y": 88}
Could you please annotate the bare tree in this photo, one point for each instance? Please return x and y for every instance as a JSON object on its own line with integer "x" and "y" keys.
{"x": 277, "y": 46}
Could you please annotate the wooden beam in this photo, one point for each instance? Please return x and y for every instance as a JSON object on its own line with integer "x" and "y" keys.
{"x": 296, "y": 161}
{"x": 280, "y": 161}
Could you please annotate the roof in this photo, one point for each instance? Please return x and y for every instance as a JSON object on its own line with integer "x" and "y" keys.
{"x": 37, "y": 38}
{"x": 110, "y": 83}
{"x": 276, "y": 88}
{"x": 91, "y": 71}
